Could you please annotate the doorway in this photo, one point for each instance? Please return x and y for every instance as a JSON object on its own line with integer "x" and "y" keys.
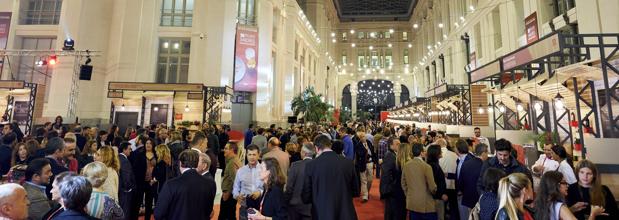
{"x": 125, "y": 120}
{"x": 158, "y": 114}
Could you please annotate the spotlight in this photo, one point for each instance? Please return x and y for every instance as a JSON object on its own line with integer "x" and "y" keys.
{"x": 391, "y": 31}
{"x": 332, "y": 34}
{"x": 415, "y": 26}
{"x": 440, "y": 25}
{"x": 501, "y": 107}
{"x": 490, "y": 108}
{"x": 519, "y": 106}
{"x": 53, "y": 59}
{"x": 186, "y": 108}
{"x": 480, "y": 109}
{"x": 352, "y": 31}
{"x": 122, "y": 107}
{"x": 10, "y": 106}
{"x": 156, "y": 108}
{"x": 538, "y": 106}
{"x": 68, "y": 44}
{"x": 353, "y": 45}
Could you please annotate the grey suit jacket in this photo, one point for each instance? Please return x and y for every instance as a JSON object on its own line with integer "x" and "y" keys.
{"x": 39, "y": 204}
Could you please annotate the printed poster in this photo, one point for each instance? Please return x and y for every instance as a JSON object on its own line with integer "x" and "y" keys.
{"x": 246, "y": 60}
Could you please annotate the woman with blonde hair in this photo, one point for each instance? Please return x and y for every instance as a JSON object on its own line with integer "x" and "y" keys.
{"x": 101, "y": 204}
{"x": 164, "y": 170}
{"x": 514, "y": 191}
{"x": 107, "y": 156}
{"x": 404, "y": 155}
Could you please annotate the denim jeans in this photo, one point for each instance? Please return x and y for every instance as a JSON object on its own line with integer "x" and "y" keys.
{"x": 423, "y": 216}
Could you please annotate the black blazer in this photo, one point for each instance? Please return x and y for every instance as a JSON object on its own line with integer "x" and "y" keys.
{"x": 126, "y": 177}
{"x": 189, "y": 196}
{"x": 274, "y": 203}
{"x": 162, "y": 173}
{"x": 57, "y": 168}
{"x": 73, "y": 215}
{"x": 467, "y": 180}
{"x": 361, "y": 154}
{"x": 294, "y": 186}
{"x": 331, "y": 190}
{"x": 390, "y": 177}
{"x": 80, "y": 141}
{"x": 138, "y": 162}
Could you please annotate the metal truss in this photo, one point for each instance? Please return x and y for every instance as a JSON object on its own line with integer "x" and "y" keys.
{"x": 213, "y": 102}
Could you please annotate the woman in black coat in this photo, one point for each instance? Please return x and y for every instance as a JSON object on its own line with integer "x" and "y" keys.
{"x": 391, "y": 182}
{"x": 433, "y": 155}
{"x": 273, "y": 201}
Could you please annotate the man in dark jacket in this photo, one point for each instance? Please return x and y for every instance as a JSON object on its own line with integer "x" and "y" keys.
{"x": 364, "y": 161}
{"x": 5, "y": 153}
{"x": 177, "y": 201}
{"x": 503, "y": 161}
{"x": 391, "y": 183}
{"x": 467, "y": 174}
{"x": 138, "y": 163}
{"x": 75, "y": 193}
{"x": 294, "y": 187}
{"x": 126, "y": 179}
{"x": 54, "y": 152}
{"x": 330, "y": 190}
{"x": 80, "y": 140}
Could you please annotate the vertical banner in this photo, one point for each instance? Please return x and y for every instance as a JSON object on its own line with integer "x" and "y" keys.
{"x": 20, "y": 112}
{"x": 530, "y": 24}
{"x": 246, "y": 59}
{"x": 5, "y": 24}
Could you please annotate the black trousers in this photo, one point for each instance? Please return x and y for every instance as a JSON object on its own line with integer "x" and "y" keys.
{"x": 150, "y": 195}
{"x": 300, "y": 212}
{"x": 452, "y": 204}
{"x": 124, "y": 200}
{"x": 377, "y": 170}
{"x": 395, "y": 207}
{"x": 137, "y": 199}
{"x": 227, "y": 209}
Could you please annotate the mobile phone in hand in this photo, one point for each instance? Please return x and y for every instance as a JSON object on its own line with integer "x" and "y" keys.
{"x": 251, "y": 211}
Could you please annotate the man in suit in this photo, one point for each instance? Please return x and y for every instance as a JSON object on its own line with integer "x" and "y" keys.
{"x": 294, "y": 187}
{"x": 467, "y": 174}
{"x": 126, "y": 179}
{"x": 138, "y": 163}
{"x": 364, "y": 161}
{"x": 204, "y": 166}
{"x": 330, "y": 183}
{"x": 80, "y": 140}
{"x": 419, "y": 186}
{"x": 260, "y": 140}
{"x": 37, "y": 176}
{"x": 54, "y": 152}
{"x": 178, "y": 201}
{"x": 391, "y": 181}
{"x": 6, "y": 152}
{"x": 275, "y": 151}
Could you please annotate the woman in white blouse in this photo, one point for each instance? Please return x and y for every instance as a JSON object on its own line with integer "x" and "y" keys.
{"x": 107, "y": 156}
{"x": 560, "y": 154}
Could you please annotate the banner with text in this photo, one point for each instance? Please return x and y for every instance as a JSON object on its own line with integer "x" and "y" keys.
{"x": 246, "y": 59}
{"x": 5, "y": 24}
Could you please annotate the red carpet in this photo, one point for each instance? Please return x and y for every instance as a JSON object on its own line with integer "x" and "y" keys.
{"x": 371, "y": 210}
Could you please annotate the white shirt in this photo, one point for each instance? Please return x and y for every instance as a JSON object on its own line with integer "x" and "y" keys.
{"x": 132, "y": 142}
{"x": 483, "y": 140}
{"x": 448, "y": 165}
{"x": 548, "y": 163}
{"x": 568, "y": 172}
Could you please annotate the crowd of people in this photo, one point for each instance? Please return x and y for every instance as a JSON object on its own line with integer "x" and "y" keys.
{"x": 302, "y": 172}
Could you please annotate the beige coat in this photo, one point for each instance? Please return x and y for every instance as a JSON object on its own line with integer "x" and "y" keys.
{"x": 418, "y": 185}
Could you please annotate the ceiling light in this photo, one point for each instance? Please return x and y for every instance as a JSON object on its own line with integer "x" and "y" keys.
{"x": 367, "y": 71}
{"x": 456, "y": 24}
{"x": 462, "y": 18}
{"x": 333, "y": 40}
{"x": 332, "y": 34}
{"x": 519, "y": 106}
{"x": 352, "y": 31}
{"x": 472, "y": 8}
{"x": 410, "y": 45}
{"x": 186, "y": 108}
{"x": 480, "y": 109}
{"x": 371, "y": 47}
{"x": 353, "y": 45}
{"x": 490, "y": 108}
{"x": 391, "y": 31}
{"x": 440, "y": 25}
{"x": 382, "y": 71}
{"x": 389, "y": 45}
{"x": 166, "y": 45}
{"x": 156, "y": 108}
{"x": 415, "y": 26}
{"x": 559, "y": 104}
{"x": 444, "y": 36}
{"x": 176, "y": 45}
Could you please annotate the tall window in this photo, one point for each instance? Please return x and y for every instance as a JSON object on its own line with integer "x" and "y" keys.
{"x": 387, "y": 35}
{"x": 478, "y": 48}
{"x": 173, "y": 63}
{"x": 28, "y": 71}
{"x": 374, "y": 59}
{"x": 296, "y": 50}
{"x": 388, "y": 58}
{"x": 360, "y": 59}
{"x": 40, "y": 12}
{"x": 177, "y": 13}
{"x": 405, "y": 56}
{"x": 496, "y": 24}
{"x": 404, "y": 36}
{"x": 344, "y": 58}
{"x": 360, "y": 35}
{"x": 344, "y": 36}
{"x": 246, "y": 13}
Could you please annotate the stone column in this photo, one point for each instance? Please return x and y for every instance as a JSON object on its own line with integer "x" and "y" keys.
{"x": 397, "y": 90}
{"x": 353, "y": 99}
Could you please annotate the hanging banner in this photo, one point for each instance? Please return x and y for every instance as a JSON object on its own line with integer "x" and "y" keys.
{"x": 246, "y": 59}
{"x": 530, "y": 24}
{"x": 5, "y": 24}
{"x": 20, "y": 112}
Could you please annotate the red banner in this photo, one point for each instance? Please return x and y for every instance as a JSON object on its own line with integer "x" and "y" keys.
{"x": 246, "y": 59}
{"x": 5, "y": 24}
{"x": 530, "y": 24}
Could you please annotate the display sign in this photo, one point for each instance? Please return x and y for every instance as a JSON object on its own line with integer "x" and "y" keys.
{"x": 246, "y": 59}
{"x": 537, "y": 50}
{"x": 11, "y": 84}
{"x": 429, "y": 93}
{"x": 133, "y": 86}
{"x": 20, "y": 112}
{"x": 5, "y": 24}
{"x": 440, "y": 89}
{"x": 530, "y": 24}
{"x": 195, "y": 96}
{"x": 115, "y": 94}
{"x": 178, "y": 116}
{"x": 485, "y": 71}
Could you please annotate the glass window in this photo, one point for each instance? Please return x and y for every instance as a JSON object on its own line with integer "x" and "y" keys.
{"x": 177, "y": 13}
{"x": 404, "y": 36}
{"x": 246, "y": 12}
{"x": 360, "y": 35}
{"x": 387, "y": 35}
{"x": 388, "y": 58}
{"x": 296, "y": 50}
{"x": 173, "y": 61}
{"x": 361, "y": 59}
{"x": 405, "y": 56}
{"x": 40, "y": 12}
{"x": 374, "y": 58}
{"x": 26, "y": 68}
{"x": 496, "y": 24}
{"x": 344, "y": 58}
{"x": 344, "y": 36}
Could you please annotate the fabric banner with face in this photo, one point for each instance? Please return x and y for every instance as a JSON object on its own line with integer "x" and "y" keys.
{"x": 246, "y": 60}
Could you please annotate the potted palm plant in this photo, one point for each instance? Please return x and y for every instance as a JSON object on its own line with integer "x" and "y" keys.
{"x": 311, "y": 105}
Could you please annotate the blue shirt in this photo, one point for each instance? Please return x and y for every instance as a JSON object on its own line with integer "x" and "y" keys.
{"x": 461, "y": 159}
{"x": 248, "y": 136}
{"x": 349, "y": 148}
{"x": 248, "y": 181}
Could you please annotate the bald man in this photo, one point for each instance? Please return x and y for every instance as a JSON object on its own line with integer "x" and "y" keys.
{"x": 276, "y": 152}
{"x": 13, "y": 202}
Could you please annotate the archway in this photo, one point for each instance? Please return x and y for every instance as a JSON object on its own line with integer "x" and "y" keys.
{"x": 373, "y": 96}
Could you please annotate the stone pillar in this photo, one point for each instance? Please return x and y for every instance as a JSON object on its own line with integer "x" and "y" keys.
{"x": 353, "y": 100}
{"x": 397, "y": 90}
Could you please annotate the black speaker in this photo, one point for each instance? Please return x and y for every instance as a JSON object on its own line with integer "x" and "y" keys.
{"x": 85, "y": 72}
{"x": 292, "y": 119}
